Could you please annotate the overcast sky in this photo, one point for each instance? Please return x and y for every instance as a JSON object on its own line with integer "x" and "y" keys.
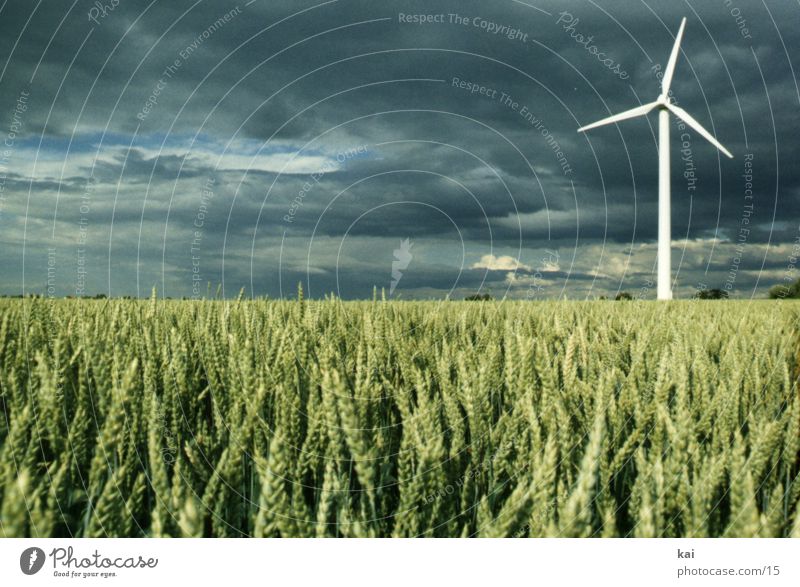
{"x": 428, "y": 148}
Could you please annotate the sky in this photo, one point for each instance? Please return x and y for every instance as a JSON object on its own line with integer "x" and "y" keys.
{"x": 427, "y": 149}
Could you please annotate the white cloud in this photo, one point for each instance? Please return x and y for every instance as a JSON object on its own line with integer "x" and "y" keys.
{"x": 501, "y": 263}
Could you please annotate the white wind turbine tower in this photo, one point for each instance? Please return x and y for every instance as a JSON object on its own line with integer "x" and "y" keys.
{"x": 665, "y": 106}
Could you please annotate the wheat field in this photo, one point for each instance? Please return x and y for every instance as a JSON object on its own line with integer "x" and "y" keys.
{"x": 352, "y": 419}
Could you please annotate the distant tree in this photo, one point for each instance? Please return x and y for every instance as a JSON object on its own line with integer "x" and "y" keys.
{"x": 712, "y": 294}
{"x": 603, "y": 297}
{"x": 100, "y": 296}
{"x": 479, "y": 298}
{"x": 780, "y": 292}
{"x": 623, "y": 296}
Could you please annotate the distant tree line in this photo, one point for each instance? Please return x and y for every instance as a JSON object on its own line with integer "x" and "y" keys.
{"x": 777, "y": 292}
{"x": 711, "y": 294}
{"x": 479, "y": 298}
{"x": 780, "y": 292}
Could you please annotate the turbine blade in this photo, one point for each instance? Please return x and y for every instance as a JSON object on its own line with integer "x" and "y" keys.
{"x": 688, "y": 119}
{"x": 633, "y": 113}
{"x": 673, "y": 59}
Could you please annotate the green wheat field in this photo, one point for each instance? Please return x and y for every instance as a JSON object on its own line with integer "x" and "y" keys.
{"x": 352, "y": 419}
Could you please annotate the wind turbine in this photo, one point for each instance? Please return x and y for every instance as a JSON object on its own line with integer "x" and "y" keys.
{"x": 664, "y": 105}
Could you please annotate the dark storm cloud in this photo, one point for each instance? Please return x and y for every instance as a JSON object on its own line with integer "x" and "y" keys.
{"x": 223, "y": 129}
